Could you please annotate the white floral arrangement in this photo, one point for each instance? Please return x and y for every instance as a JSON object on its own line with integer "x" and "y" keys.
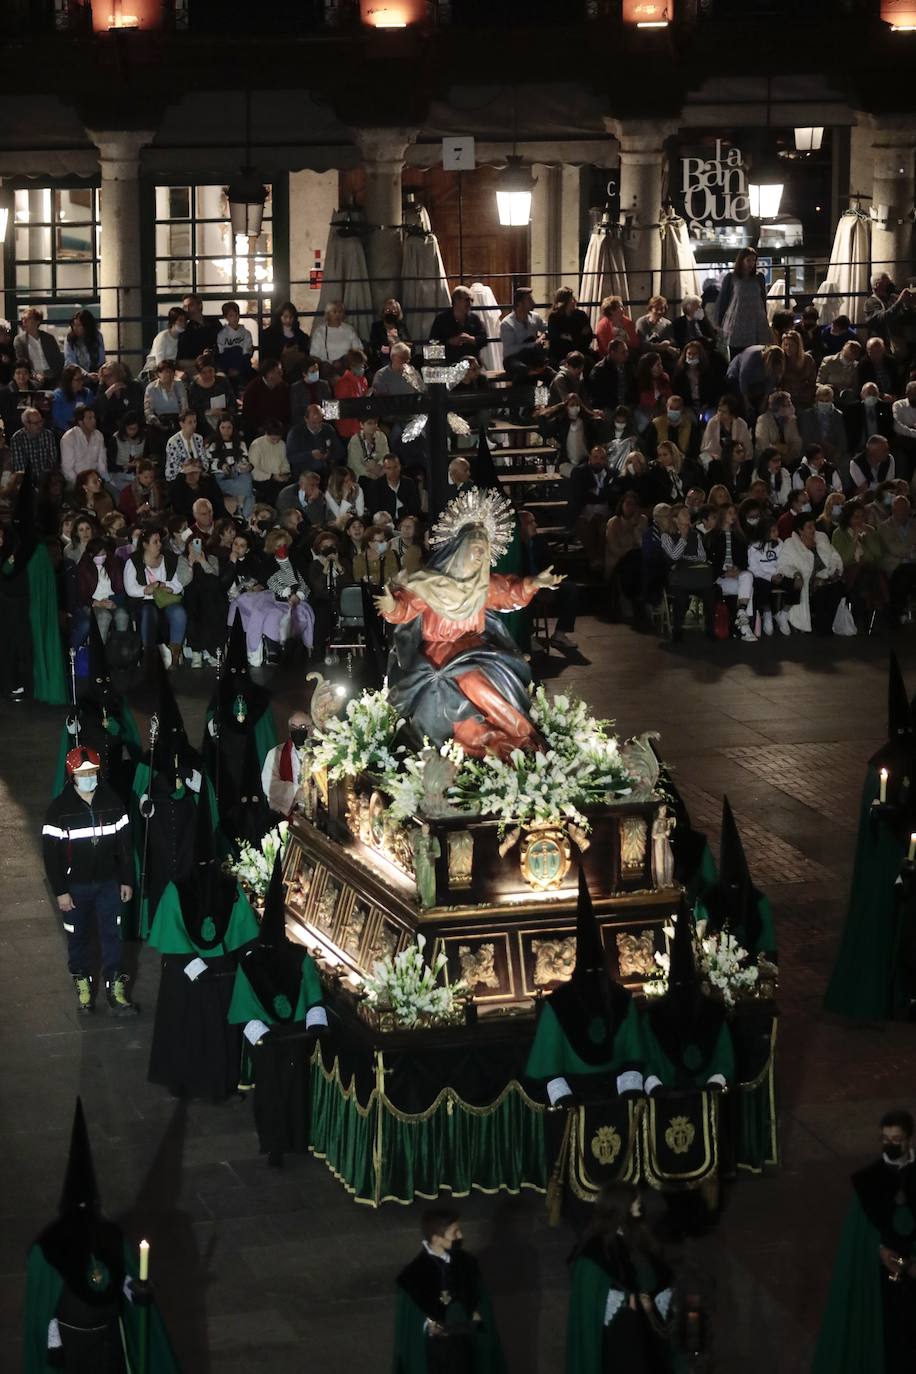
{"x": 409, "y": 987}
{"x": 255, "y": 863}
{"x": 722, "y": 963}
{"x": 359, "y": 741}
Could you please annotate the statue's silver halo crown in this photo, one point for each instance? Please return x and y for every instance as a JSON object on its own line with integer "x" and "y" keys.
{"x": 488, "y": 509}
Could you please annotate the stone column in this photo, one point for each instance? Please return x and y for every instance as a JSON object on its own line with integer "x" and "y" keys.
{"x": 556, "y": 221}
{"x": 893, "y": 161}
{"x": 642, "y": 160}
{"x": 120, "y": 259}
{"x": 382, "y": 152}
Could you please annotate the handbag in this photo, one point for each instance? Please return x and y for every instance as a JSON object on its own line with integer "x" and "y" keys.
{"x": 164, "y": 596}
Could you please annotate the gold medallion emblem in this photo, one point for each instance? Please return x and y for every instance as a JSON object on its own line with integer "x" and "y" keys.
{"x": 680, "y": 1134}
{"x": 606, "y": 1144}
{"x": 544, "y": 858}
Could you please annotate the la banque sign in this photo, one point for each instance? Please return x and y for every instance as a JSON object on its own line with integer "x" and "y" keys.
{"x": 715, "y": 189}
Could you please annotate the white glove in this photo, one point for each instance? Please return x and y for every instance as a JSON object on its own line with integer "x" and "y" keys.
{"x": 194, "y": 969}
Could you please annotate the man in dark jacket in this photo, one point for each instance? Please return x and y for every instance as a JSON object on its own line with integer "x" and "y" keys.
{"x": 589, "y": 508}
{"x": 461, "y": 330}
{"x": 394, "y": 493}
{"x": 89, "y": 866}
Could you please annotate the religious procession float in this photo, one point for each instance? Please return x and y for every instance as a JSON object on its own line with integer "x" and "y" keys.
{"x": 514, "y": 922}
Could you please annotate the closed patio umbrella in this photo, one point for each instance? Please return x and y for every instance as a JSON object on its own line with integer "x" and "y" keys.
{"x": 604, "y": 270}
{"x": 424, "y": 290}
{"x": 680, "y": 276}
{"x": 847, "y": 281}
{"x": 346, "y": 274}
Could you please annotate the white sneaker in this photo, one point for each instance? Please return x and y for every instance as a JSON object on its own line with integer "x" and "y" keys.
{"x": 562, "y": 641}
{"x": 257, "y": 658}
{"x": 196, "y": 660}
{"x": 782, "y": 620}
{"x": 768, "y": 622}
{"x": 165, "y": 654}
{"x": 743, "y": 626}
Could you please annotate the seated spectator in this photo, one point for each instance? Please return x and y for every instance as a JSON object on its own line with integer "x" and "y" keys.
{"x": 239, "y": 572}
{"x": 301, "y": 534}
{"x": 569, "y": 329}
{"x": 897, "y": 539}
{"x": 623, "y": 438}
{"x": 813, "y": 573}
{"x": 327, "y": 574}
{"x": 829, "y": 517}
{"x": 867, "y": 416}
{"x": 690, "y": 572}
{"x": 166, "y": 344}
{"x": 810, "y": 330}
{"x": 152, "y": 582}
{"x": 561, "y": 601}
{"x": 228, "y": 459}
{"x": 751, "y": 513}
{"x": 861, "y": 553}
{"x": 204, "y": 519}
{"x": 393, "y": 492}
{"x": 623, "y": 546}
{"x": 185, "y": 446}
{"x": 286, "y": 342}
{"x": 376, "y": 561}
{"x": 692, "y": 326}
{"x": 164, "y": 401}
{"x": 143, "y": 498}
{"x": 568, "y": 381}
{"x": 314, "y": 444}
{"x": 16, "y": 397}
{"x": 310, "y": 390}
{"x": 367, "y": 448}
{"x": 777, "y": 428}
{"x": 653, "y": 387}
{"x": 823, "y": 424}
{"x": 725, "y": 429}
{"x": 904, "y": 421}
{"x": 84, "y": 346}
{"x": 878, "y": 503}
{"x": 125, "y": 449}
{"x": 664, "y": 477}
{"x": 270, "y": 468}
{"x": 677, "y": 426}
{"x": 114, "y": 529}
{"x": 589, "y": 494}
{"x": 234, "y": 345}
{"x": 612, "y": 381}
{"x": 654, "y": 562}
{"x": 90, "y": 496}
{"x": 408, "y": 543}
{"x": 815, "y": 464}
{"x": 352, "y": 542}
{"x": 719, "y": 496}
{"x": 654, "y": 328}
{"x": 71, "y": 392}
{"x": 333, "y": 340}
{"x": 343, "y": 496}
{"x": 835, "y": 336}
{"x": 193, "y": 484}
{"x": 754, "y": 373}
{"x": 762, "y": 564}
{"x": 798, "y": 504}
{"x": 631, "y": 474}
{"x": 33, "y": 446}
{"x": 800, "y": 375}
{"x": 39, "y": 348}
{"x": 210, "y": 395}
{"x": 305, "y": 496}
{"x": 697, "y": 379}
{"x": 573, "y": 425}
{"x": 520, "y": 330}
{"x": 116, "y": 397}
{"x": 83, "y": 529}
{"x": 615, "y": 326}
{"x": 99, "y": 592}
{"x": 199, "y": 334}
{"x": 777, "y": 479}
{"x": 459, "y": 477}
{"x": 879, "y": 367}
{"x": 875, "y": 464}
{"x": 82, "y": 448}
{"x": 389, "y": 329}
{"x": 265, "y": 400}
{"x": 727, "y": 549}
{"x": 205, "y": 602}
{"x": 841, "y": 371}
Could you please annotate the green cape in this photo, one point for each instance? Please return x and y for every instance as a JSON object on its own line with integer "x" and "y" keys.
{"x": 49, "y": 678}
{"x": 862, "y": 983}
{"x": 585, "y": 1325}
{"x": 410, "y": 1338}
{"x": 169, "y": 936}
{"x": 265, "y": 733}
{"x": 43, "y": 1289}
{"x": 247, "y": 1006}
{"x": 766, "y": 942}
{"x": 852, "y": 1333}
{"x": 721, "y": 1060}
{"x": 552, "y": 1055}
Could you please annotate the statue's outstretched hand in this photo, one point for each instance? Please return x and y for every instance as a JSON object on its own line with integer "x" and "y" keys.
{"x": 385, "y": 603}
{"x": 548, "y": 578}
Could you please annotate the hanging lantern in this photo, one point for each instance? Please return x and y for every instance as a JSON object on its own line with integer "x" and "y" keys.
{"x": 900, "y": 14}
{"x": 765, "y": 196}
{"x": 514, "y": 185}
{"x": 809, "y": 140}
{"x": 246, "y": 197}
{"x": 127, "y": 14}
{"x": 391, "y": 14}
{"x": 648, "y": 14}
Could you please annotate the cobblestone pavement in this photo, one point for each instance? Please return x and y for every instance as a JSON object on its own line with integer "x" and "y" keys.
{"x": 257, "y": 1269}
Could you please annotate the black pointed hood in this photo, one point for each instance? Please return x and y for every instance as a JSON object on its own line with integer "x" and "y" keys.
{"x": 898, "y": 706}
{"x": 248, "y": 817}
{"x": 273, "y": 925}
{"x": 733, "y": 868}
{"x": 732, "y": 900}
{"x": 239, "y": 701}
{"x": 174, "y": 758}
{"x": 208, "y": 894}
{"x": 171, "y": 723}
{"x": 273, "y": 964}
{"x": 483, "y": 469}
{"x": 81, "y": 1191}
{"x": 682, "y": 973}
{"x": 235, "y": 659}
{"x": 373, "y": 662}
{"x": 24, "y": 509}
{"x": 896, "y": 753}
{"x": 685, "y": 1020}
{"x": 591, "y": 1006}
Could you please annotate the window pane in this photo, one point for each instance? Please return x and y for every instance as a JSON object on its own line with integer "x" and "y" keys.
{"x": 32, "y": 242}
{"x": 177, "y": 202}
{"x": 33, "y": 278}
{"x": 173, "y": 240}
{"x": 174, "y": 274}
{"x": 74, "y": 204}
{"x": 214, "y": 272}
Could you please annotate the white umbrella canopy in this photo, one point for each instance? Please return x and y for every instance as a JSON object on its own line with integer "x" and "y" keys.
{"x": 604, "y": 271}
{"x": 346, "y": 274}
{"x": 484, "y": 303}
{"x": 680, "y": 275}
{"x": 847, "y": 281}
{"x": 424, "y": 290}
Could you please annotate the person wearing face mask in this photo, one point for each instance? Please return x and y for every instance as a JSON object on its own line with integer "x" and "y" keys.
{"x": 678, "y": 425}
{"x": 309, "y": 390}
{"x": 871, "y": 414}
{"x": 281, "y": 776}
{"x": 815, "y": 464}
{"x": 870, "y": 1317}
{"x": 823, "y": 424}
{"x": 281, "y": 613}
{"x": 762, "y": 558}
{"x": 777, "y": 428}
{"x": 100, "y": 592}
{"x": 88, "y": 862}
{"x": 377, "y": 561}
{"x": 351, "y": 385}
{"x": 327, "y": 575}
{"x": 622, "y": 438}
{"x": 698, "y": 377}
{"x": 385, "y": 332}
{"x": 859, "y": 547}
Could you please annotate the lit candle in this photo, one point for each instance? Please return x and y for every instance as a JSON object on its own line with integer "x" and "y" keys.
{"x": 882, "y": 794}
{"x": 144, "y": 1261}
{"x": 912, "y": 854}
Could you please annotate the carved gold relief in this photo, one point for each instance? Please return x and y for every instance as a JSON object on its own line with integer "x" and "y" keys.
{"x": 460, "y": 858}
{"x": 353, "y": 930}
{"x": 324, "y": 907}
{"x": 478, "y": 965}
{"x": 636, "y": 954}
{"x": 554, "y": 960}
{"x": 633, "y": 834}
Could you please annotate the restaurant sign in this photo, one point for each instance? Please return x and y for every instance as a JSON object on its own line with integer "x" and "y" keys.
{"x": 714, "y": 189}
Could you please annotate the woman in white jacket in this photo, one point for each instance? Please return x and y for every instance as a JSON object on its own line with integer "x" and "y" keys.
{"x": 333, "y": 339}
{"x": 813, "y": 572}
{"x": 777, "y": 478}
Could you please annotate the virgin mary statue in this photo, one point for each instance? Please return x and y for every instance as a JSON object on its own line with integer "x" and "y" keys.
{"x": 454, "y": 671}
